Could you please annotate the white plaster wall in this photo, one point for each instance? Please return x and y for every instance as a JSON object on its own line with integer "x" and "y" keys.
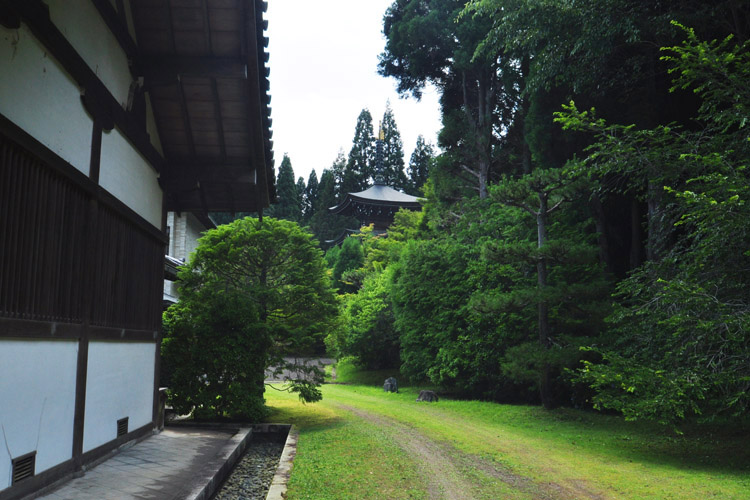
{"x": 194, "y": 230}
{"x": 151, "y": 129}
{"x": 80, "y": 23}
{"x": 120, "y": 383}
{"x": 41, "y": 98}
{"x": 127, "y": 175}
{"x": 37, "y": 402}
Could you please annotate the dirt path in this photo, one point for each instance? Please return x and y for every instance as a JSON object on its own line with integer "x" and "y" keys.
{"x": 449, "y": 471}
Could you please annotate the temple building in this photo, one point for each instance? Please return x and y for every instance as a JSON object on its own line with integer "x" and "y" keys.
{"x": 376, "y": 205}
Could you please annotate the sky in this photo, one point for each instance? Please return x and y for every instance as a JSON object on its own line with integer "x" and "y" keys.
{"x": 323, "y": 62}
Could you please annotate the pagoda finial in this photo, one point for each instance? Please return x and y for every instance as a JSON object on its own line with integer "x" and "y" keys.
{"x": 379, "y": 179}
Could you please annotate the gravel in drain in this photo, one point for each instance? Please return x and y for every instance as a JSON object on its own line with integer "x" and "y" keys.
{"x": 253, "y": 473}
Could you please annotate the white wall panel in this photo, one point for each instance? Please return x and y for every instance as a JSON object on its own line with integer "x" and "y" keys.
{"x": 40, "y": 97}
{"x": 128, "y": 176}
{"x": 120, "y": 383}
{"x": 37, "y": 402}
{"x": 80, "y": 23}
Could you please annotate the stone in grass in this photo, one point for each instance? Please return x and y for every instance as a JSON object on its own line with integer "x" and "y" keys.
{"x": 427, "y": 396}
{"x": 390, "y": 385}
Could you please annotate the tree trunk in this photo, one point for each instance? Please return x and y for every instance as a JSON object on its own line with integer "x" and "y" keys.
{"x": 600, "y": 220}
{"x": 525, "y": 106}
{"x": 636, "y": 243}
{"x": 542, "y": 306}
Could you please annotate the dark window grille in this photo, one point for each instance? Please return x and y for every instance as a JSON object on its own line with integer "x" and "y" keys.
{"x": 23, "y": 467}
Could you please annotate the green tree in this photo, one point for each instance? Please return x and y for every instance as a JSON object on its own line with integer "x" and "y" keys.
{"x": 360, "y": 168}
{"x": 419, "y": 165}
{"x": 680, "y": 347}
{"x": 325, "y": 225}
{"x": 301, "y": 189}
{"x": 288, "y": 204}
{"x": 393, "y": 151}
{"x": 349, "y": 257}
{"x": 253, "y": 292}
{"x": 311, "y": 203}
{"x": 367, "y": 317}
{"x": 427, "y": 42}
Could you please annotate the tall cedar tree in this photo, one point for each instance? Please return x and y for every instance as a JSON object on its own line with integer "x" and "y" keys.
{"x": 310, "y": 203}
{"x": 287, "y": 206}
{"x": 360, "y": 168}
{"x": 427, "y": 42}
{"x": 419, "y": 165}
{"x": 393, "y": 151}
{"x": 301, "y": 188}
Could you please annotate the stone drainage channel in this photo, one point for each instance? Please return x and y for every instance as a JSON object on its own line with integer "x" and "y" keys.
{"x": 263, "y": 470}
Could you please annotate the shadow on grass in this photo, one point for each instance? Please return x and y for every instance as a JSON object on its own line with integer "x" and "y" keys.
{"x": 716, "y": 448}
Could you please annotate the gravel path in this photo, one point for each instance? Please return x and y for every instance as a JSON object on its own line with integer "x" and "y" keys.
{"x": 252, "y": 476}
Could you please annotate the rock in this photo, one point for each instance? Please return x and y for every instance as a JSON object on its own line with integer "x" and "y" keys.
{"x": 390, "y": 385}
{"x": 427, "y": 396}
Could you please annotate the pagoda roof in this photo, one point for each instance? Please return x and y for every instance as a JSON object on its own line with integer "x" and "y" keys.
{"x": 379, "y": 194}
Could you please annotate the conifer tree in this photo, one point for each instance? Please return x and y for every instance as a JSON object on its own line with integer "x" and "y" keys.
{"x": 301, "y": 188}
{"x": 393, "y": 151}
{"x": 310, "y": 202}
{"x": 419, "y": 165}
{"x": 288, "y": 205}
{"x": 325, "y": 225}
{"x": 361, "y": 164}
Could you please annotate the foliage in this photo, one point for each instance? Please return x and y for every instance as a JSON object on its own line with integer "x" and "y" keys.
{"x": 349, "y": 257}
{"x": 682, "y": 327}
{"x": 310, "y": 202}
{"x": 419, "y": 165}
{"x": 393, "y": 151}
{"x": 360, "y": 168}
{"x": 427, "y": 42}
{"x": 325, "y": 225}
{"x": 289, "y": 204}
{"x": 368, "y": 320}
{"x": 252, "y": 292}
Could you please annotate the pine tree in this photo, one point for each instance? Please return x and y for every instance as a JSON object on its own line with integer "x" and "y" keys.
{"x": 361, "y": 165}
{"x": 301, "y": 188}
{"x": 310, "y": 201}
{"x": 338, "y": 170}
{"x": 419, "y": 165}
{"x": 325, "y": 225}
{"x": 393, "y": 151}
{"x": 288, "y": 205}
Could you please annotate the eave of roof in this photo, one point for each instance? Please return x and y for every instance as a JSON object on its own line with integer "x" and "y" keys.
{"x": 378, "y": 194}
{"x": 205, "y": 67}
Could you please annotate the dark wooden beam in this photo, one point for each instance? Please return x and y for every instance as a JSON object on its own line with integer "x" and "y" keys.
{"x": 9, "y": 18}
{"x": 96, "y": 152}
{"x": 207, "y": 27}
{"x": 219, "y": 120}
{"x": 113, "y": 20}
{"x": 193, "y": 204}
{"x": 186, "y": 118}
{"x": 168, "y": 69}
{"x": 189, "y": 178}
{"x": 99, "y": 101}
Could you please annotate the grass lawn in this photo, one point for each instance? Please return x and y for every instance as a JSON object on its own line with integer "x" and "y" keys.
{"x": 342, "y": 455}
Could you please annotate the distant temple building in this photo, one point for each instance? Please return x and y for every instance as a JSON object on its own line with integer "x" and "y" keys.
{"x": 376, "y": 205}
